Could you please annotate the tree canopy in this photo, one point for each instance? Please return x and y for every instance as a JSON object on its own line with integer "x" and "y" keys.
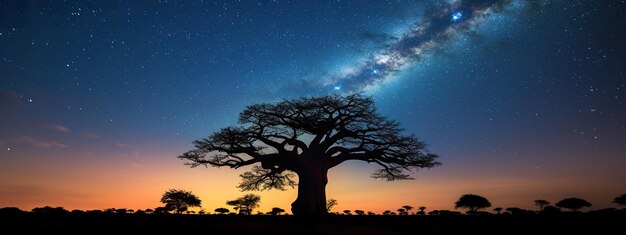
{"x": 573, "y": 203}
{"x": 245, "y": 204}
{"x": 472, "y": 202}
{"x": 621, "y": 200}
{"x": 541, "y": 203}
{"x": 308, "y": 136}
{"x": 222, "y": 210}
{"x": 179, "y": 200}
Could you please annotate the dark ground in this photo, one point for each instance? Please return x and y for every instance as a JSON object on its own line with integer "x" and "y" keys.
{"x": 562, "y": 223}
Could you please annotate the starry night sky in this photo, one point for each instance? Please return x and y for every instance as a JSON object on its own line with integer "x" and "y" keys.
{"x": 523, "y": 100}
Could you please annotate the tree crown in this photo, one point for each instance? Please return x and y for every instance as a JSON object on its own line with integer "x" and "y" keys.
{"x": 621, "y": 200}
{"x": 472, "y": 202}
{"x": 573, "y": 203}
{"x": 330, "y": 129}
{"x": 180, "y": 200}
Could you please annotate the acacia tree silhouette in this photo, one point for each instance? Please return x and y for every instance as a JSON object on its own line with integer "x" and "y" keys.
{"x": 179, "y": 200}
{"x": 497, "y": 209}
{"x": 541, "y": 203}
{"x": 421, "y": 212}
{"x": 408, "y": 209}
{"x": 472, "y": 202}
{"x": 573, "y": 203}
{"x": 245, "y": 204}
{"x": 621, "y": 200}
{"x": 337, "y": 129}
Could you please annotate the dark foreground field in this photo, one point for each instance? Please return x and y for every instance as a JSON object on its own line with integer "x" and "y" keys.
{"x": 563, "y": 223}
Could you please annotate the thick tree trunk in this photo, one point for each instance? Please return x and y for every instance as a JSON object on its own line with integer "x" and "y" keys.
{"x": 311, "y": 201}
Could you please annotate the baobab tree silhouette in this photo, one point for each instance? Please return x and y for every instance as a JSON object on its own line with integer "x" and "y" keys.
{"x": 336, "y": 128}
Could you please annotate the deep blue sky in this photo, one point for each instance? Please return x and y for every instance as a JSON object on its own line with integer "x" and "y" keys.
{"x": 498, "y": 86}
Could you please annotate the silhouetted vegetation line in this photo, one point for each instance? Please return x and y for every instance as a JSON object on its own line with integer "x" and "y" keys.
{"x": 306, "y": 137}
{"x": 52, "y": 219}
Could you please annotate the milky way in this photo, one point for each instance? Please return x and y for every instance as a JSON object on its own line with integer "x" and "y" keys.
{"x": 437, "y": 28}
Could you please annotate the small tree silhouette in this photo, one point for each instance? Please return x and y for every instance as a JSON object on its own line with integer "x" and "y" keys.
{"x": 371, "y": 213}
{"x": 276, "y": 211}
{"x": 347, "y": 212}
{"x": 245, "y": 204}
{"x": 387, "y": 212}
{"x": 201, "y": 212}
{"x": 330, "y": 203}
{"x": 401, "y": 211}
{"x": 472, "y": 202}
{"x": 621, "y": 200}
{"x": 421, "y": 212}
{"x": 574, "y": 204}
{"x": 498, "y": 209}
{"x": 121, "y": 211}
{"x": 359, "y": 212}
{"x": 180, "y": 200}
{"x": 408, "y": 209}
{"x": 149, "y": 211}
{"x": 541, "y": 203}
{"x": 222, "y": 210}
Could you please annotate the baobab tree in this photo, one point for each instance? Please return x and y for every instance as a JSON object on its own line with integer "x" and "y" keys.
{"x": 307, "y": 137}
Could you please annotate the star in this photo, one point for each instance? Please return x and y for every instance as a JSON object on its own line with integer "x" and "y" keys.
{"x": 456, "y": 16}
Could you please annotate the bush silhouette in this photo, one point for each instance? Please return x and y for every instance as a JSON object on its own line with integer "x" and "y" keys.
{"x": 50, "y": 210}
{"x": 276, "y": 211}
{"x": 472, "y": 202}
{"x": 222, "y": 210}
{"x": 621, "y": 200}
{"x": 309, "y": 136}
{"x": 574, "y": 204}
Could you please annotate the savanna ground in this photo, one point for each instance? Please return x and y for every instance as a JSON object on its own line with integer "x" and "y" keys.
{"x": 563, "y": 223}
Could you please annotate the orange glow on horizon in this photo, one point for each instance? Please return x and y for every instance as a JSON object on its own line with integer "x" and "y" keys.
{"x": 120, "y": 183}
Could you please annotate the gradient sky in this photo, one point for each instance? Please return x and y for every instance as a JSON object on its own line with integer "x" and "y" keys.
{"x": 523, "y": 100}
